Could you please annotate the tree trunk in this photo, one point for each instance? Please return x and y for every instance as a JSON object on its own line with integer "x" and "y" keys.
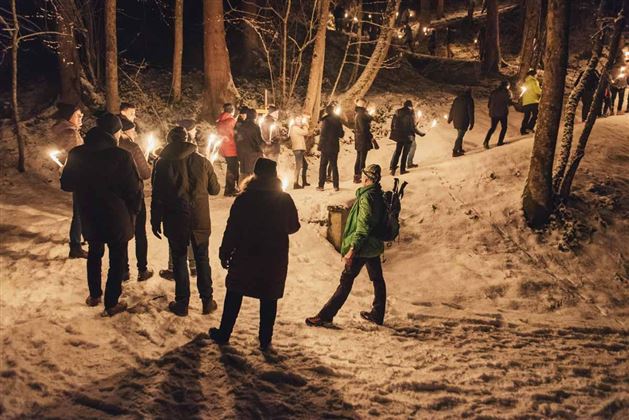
{"x": 219, "y": 85}
{"x": 491, "y": 62}
{"x": 15, "y": 44}
{"x": 529, "y": 35}
{"x": 571, "y": 109}
{"x": 177, "y": 51}
{"x": 284, "y": 63}
{"x": 424, "y": 12}
{"x": 359, "y": 29}
{"x": 111, "y": 58}
{"x": 470, "y": 11}
{"x": 537, "y": 199}
{"x": 311, "y": 105}
{"x": 614, "y": 47}
{"x": 379, "y": 55}
{"x": 67, "y": 56}
{"x": 251, "y": 41}
{"x": 440, "y": 9}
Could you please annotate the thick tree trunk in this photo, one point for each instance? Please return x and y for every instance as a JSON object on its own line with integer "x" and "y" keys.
{"x": 68, "y": 57}
{"x": 579, "y": 152}
{"x": 251, "y": 41}
{"x": 379, "y": 55}
{"x": 571, "y": 110}
{"x": 177, "y": 51}
{"x": 491, "y": 62}
{"x": 219, "y": 85}
{"x": 311, "y": 104}
{"x": 470, "y": 11}
{"x": 537, "y": 199}
{"x": 424, "y": 12}
{"x": 15, "y": 44}
{"x": 440, "y": 9}
{"x": 111, "y": 58}
{"x": 532, "y": 10}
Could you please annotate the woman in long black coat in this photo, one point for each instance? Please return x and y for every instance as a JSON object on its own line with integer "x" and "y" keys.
{"x": 255, "y": 250}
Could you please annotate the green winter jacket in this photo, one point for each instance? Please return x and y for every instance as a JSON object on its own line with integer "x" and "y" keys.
{"x": 364, "y": 217}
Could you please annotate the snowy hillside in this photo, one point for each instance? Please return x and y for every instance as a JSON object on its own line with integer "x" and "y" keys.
{"x": 484, "y": 317}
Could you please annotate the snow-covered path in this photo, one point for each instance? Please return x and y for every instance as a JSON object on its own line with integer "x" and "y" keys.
{"x": 478, "y": 322}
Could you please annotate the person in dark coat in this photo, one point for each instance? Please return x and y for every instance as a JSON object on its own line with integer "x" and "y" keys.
{"x": 255, "y": 250}
{"x": 499, "y": 101}
{"x": 331, "y": 133}
{"x": 363, "y": 139}
{"x": 182, "y": 180}
{"x": 271, "y": 134}
{"x": 248, "y": 141}
{"x": 449, "y": 34}
{"x": 462, "y": 115}
{"x": 407, "y": 38}
{"x": 432, "y": 42}
{"x": 587, "y": 96}
{"x": 403, "y": 131}
{"x": 109, "y": 192}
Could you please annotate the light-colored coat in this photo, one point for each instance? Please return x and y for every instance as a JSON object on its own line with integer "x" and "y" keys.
{"x": 298, "y": 137}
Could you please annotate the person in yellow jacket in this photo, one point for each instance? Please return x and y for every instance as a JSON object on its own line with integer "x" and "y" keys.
{"x": 530, "y": 101}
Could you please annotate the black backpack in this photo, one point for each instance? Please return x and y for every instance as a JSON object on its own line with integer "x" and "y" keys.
{"x": 390, "y": 224}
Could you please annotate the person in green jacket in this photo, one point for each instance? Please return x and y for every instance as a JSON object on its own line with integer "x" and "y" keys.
{"x": 360, "y": 247}
{"x": 530, "y": 101}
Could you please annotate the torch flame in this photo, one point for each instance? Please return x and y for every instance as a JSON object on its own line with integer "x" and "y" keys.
{"x": 150, "y": 144}
{"x": 338, "y": 110}
{"x": 445, "y": 116}
{"x": 434, "y": 123}
{"x": 54, "y": 156}
{"x": 213, "y": 147}
{"x": 419, "y": 114}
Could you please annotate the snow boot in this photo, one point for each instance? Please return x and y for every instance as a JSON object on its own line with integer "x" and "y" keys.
{"x": 317, "y": 321}
{"x": 166, "y": 274}
{"x": 209, "y": 305}
{"x": 145, "y": 275}
{"x": 92, "y": 301}
{"x": 371, "y": 318}
{"x": 319, "y": 188}
{"x": 178, "y": 308}
{"x": 412, "y": 165}
{"x": 217, "y": 336}
{"x": 403, "y": 171}
{"x": 296, "y": 186}
{"x": 118, "y": 308}
{"x": 76, "y": 251}
{"x": 486, "y": 145}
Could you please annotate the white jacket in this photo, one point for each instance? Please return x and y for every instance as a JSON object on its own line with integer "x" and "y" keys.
{"x": 298, "y": 137}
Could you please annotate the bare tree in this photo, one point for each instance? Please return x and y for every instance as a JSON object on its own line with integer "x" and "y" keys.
{"x": 440, "y": 9}
{"x": 566, "y": 183}
{"x": 313, "y": 94}
{"x": 177, "y": 51}
{"x": 491, "y": 58}
{"x": 70, "y": 68}
{"x": 111, "y": 58}
{"x": 358, "y": 20}
{"x": 219, "y": 85}
{"x": 537, "y": 198}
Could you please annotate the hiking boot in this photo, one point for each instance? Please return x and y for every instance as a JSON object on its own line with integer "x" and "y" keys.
{"x": 306, "y": 184}
{"x": 209, "y": 306}
{"x": 166, "y": 274}
{"x": 266, "y": 346}
{"x": 217, "y": 336}
{"x": 486, "y": 145}
{"x": 456, "y": 154}
{"x": 319, "y": 188}
{"x": 145, "y": 275}
{"x": 317, "y": 321}
{"x": 336, "y": 189}
{"x": 76, "y": 251}
{"x": 412, "y": 165}
{"x": 118, "y": 308}
{"x": 178, "y": 308}
{"x": 296, "y": 186}
{"x": 403, "y": 171}
{"x": 500, "y": 143}
{"x": 126, "y": 276}
{"x": 92, "y": 301}
{"x": 370, "y": 317}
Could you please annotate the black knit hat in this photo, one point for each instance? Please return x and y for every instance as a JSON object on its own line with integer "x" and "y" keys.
{"x": 109, "y": 123}
{"x": 265, "y": 168}
{"x": 65, "y": 111}
{"x": 373, "y": 172}
{"x": 126, "y": 124}
{"x": 177, "y": 135}
{"x": 188, "y": 124}
{"x": 408, "y": 103}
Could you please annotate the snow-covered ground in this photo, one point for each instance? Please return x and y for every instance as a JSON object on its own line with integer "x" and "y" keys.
{"x": 484, "y": 317}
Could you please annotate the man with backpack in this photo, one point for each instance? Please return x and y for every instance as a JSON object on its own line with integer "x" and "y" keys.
{"x": 362, "y": 245}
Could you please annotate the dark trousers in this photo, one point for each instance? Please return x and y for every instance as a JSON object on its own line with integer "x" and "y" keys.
{"x": 180, "y": 269}
{"x": 374, "y": 268}
{"x": 117, "y": 262}
{"x": 530, "y": 117}
{"x": 301, "y": 166}
{"x": 330, "y": 159}
{"x": 231, "y": 308}
{"x": 494, "y": 124}
{"x": 458, "y": 143}
{"x": 620, "y": 94}
{"x": 141, "y": 242}
{"x": 361, "y": 160}
{"x": 75, "y": 224}
{"x": 231, "y": 175}
{"x": 586, "y": 103}
{"x": 401, "y": 149}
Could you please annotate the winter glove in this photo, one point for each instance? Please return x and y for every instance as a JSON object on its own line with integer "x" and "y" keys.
{"x": 157, "y": 231}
